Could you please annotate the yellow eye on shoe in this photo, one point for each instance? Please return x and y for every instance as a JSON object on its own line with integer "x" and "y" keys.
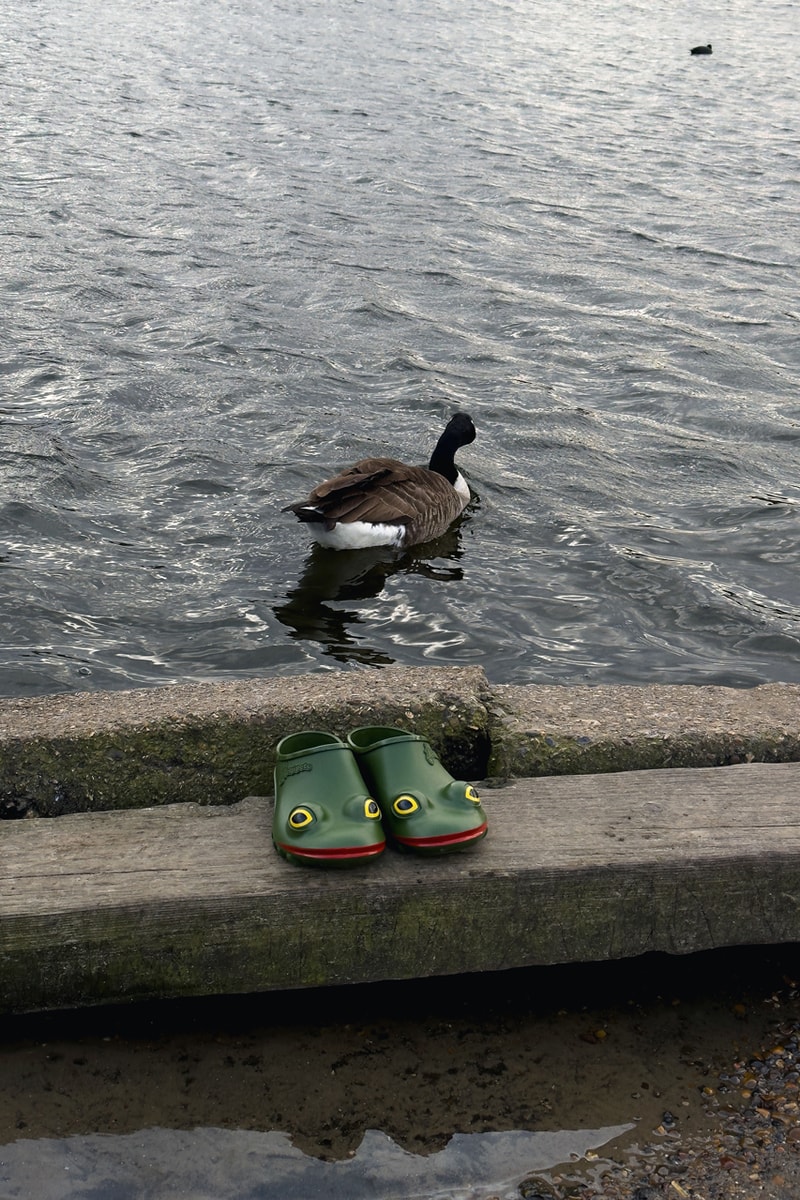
{"x": 299, "y": 818}
{"x": 371, "y": 810}
{"x": 404, "y": 806}
{"x": 472, "y": 795}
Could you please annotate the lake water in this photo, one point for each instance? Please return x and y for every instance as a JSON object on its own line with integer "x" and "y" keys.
{"x": 247, "y": 243}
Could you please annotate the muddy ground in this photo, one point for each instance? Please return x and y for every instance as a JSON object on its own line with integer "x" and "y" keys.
{"x": 699, "y": 1055}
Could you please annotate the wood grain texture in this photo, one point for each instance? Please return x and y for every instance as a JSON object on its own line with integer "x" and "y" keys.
{"x": 190, "y": 900}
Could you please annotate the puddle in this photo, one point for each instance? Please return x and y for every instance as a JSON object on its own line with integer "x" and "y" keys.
{"x": 458, "y": 1087}
{"x": 217, "y": 1164}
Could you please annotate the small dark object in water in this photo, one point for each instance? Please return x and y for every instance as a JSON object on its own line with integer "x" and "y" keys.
{"x": 701, "y": 49}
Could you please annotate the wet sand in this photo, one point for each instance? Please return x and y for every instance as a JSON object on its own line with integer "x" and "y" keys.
{"x": 674, "y": 1047}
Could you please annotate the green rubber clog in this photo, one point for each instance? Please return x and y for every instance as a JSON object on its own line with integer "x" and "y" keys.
{"x": 423, "y": 807}
{"x": 323, "y": 813}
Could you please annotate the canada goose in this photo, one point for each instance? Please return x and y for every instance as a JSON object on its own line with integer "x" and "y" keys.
{"x": 701, "y": 49}
{"x": 383, "y": 502}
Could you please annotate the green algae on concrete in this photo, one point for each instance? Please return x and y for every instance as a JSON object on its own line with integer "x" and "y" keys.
{"x": 214, "y": 743}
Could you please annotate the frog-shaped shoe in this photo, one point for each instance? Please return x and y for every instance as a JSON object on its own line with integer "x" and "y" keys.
{"x": 423, "y": 807}
{"x": 323, "y": 813}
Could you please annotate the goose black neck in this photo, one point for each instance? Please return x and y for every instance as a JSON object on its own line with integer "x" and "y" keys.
{"x": 460, "y": 431}
{"x": 443, "y": 458}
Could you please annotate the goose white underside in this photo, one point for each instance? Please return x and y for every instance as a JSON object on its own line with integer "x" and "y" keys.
{"x": 357, "y": 535}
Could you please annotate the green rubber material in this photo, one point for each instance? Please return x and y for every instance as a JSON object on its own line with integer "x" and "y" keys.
{"x": 324, "y": 815}
{"x": 423, "y": 807}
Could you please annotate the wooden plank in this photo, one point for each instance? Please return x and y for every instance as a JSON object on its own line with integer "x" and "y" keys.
{"x": 190, "y": 900}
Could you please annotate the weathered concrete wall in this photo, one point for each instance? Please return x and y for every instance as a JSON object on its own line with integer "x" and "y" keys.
{"x": 541, "y": 730}
{"x": 215, "y": 743}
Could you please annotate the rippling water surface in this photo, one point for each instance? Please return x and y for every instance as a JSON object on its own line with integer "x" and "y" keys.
{"x": 244, "y": 243}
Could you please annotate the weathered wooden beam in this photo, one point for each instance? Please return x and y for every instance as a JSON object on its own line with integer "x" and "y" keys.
{"x": 189, "y": 900}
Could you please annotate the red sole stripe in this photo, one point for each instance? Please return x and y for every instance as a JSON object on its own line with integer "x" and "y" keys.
{"x": 447, "y": 839}
{"x": 336, "y": 853}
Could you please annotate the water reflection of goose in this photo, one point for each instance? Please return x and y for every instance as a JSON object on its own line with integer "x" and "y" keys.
{"x": 309, "y": 612}
{"x": 383, "y": 502}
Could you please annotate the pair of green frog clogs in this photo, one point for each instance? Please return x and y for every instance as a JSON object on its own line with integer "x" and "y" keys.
{"x": 335, "y": 801}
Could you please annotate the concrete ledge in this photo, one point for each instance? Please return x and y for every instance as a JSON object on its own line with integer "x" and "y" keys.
{"x": 564, "y": 730}
{"x": 214, "y": 743}
{"x": 188, "y": 900}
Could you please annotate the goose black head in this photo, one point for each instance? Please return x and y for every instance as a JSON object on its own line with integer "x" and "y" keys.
{"x": 460, "y": 429}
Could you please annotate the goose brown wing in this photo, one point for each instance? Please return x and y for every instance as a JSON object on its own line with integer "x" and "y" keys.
{"x": 376, "y": 490}
{"x": 345, "y": 489}
{"x": 382, "y": 491}
{"x": 362, "y": 476}
{"x": 422, "y": 501}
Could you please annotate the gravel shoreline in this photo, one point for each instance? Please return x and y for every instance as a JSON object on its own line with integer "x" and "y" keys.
{"x": 751, "y": 1152}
